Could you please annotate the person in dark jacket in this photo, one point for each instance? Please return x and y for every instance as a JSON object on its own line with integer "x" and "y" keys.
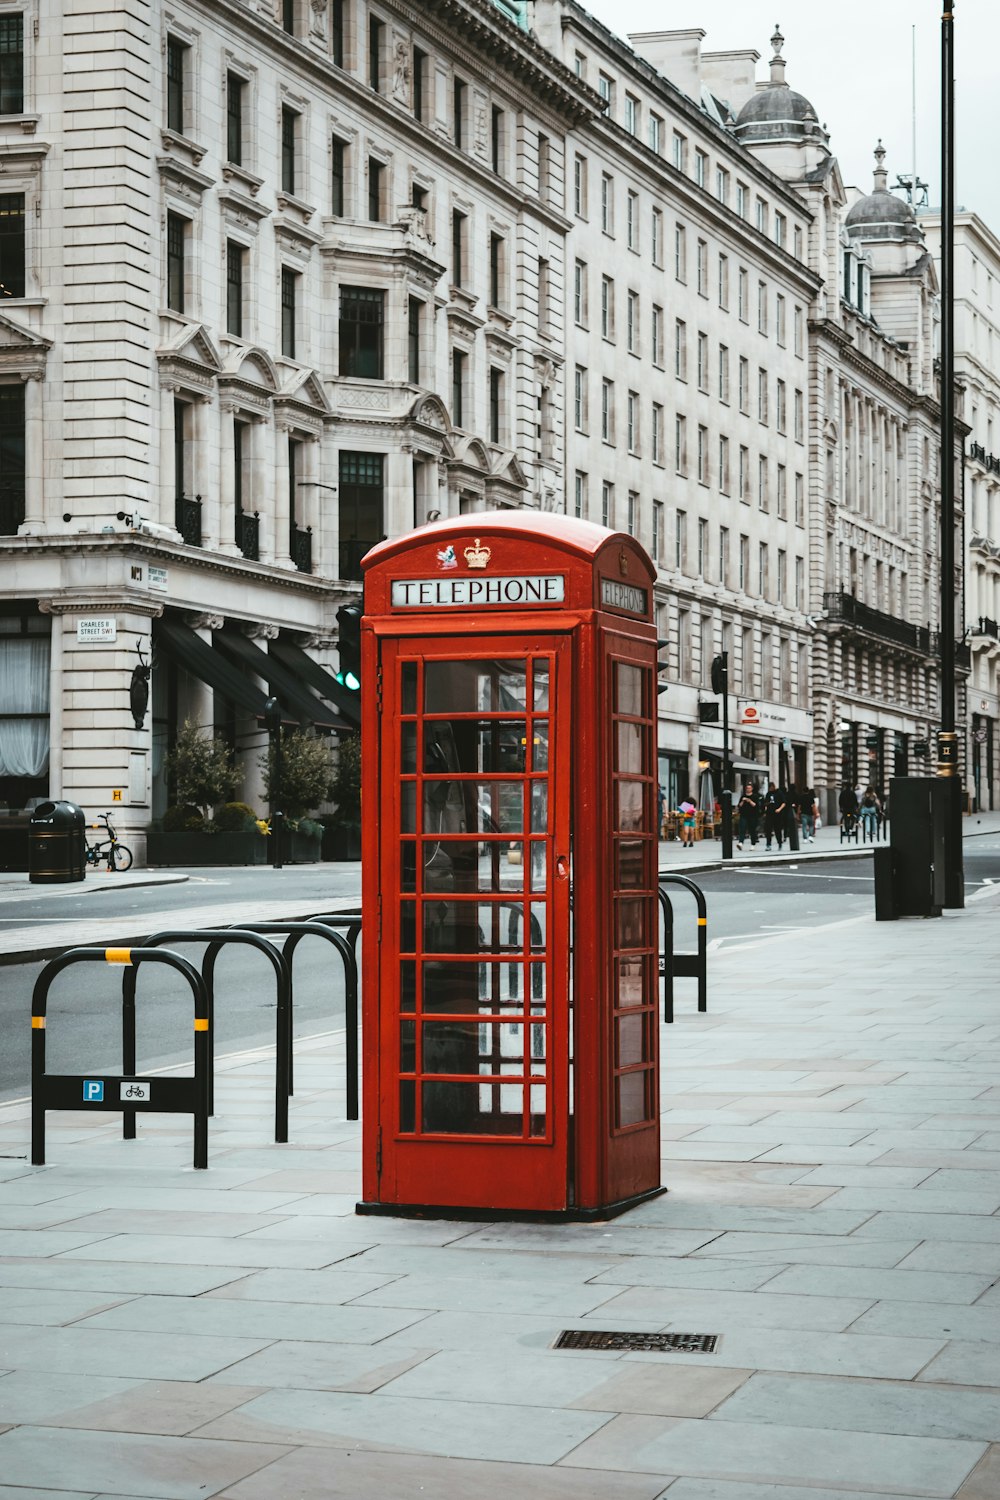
{"x": 748, "y": 809}
{"x": 848, "y": 804}
{"x": 807, "y": 814}
{"x": 775, "y": 814}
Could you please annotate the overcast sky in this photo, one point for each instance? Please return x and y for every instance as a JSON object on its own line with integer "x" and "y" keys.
{"x": 854, "y": 63}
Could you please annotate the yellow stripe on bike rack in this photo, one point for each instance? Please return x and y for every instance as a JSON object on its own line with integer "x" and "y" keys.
{"x": 702, "y": 921}
{"x": 200, "y": 1023}
{"x": 38, "y": 1023}
{"x": 118, "y": 955}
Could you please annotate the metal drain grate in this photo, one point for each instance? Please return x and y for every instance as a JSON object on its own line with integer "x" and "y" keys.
{"x": 687, "y": 1343}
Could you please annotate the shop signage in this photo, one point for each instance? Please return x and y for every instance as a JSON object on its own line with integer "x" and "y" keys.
{"x": 615, "y": 595}
{"x": 763, "y": 716}
{"x": 157, "y": 578}
{"x": 478, "y": 593}
{"x": 97, "y": 629}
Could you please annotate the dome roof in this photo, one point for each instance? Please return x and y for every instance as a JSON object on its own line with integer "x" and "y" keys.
{"x": 777, "y": 112}
{"x": 881, "y": 215}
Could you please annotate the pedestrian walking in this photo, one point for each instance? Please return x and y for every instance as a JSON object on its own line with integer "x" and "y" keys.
{"x": 871, "y": 813}
{"x": 688, "y": 813}
{"x": 807, "y": 814}
{"x": 775, "y": 811}
{"x": 848, "y": 804}
{"x": 748, "y": 810}
{"x": 661, "y": 802}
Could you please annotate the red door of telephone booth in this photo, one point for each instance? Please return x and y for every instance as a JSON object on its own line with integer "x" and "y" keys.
{"x": 474, "y": 873}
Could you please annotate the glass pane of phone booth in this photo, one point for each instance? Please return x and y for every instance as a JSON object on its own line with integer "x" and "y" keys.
{"x": 475, "y": 896}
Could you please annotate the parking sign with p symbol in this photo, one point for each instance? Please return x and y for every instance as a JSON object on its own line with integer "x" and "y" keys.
{"x": 93, "y": 1091}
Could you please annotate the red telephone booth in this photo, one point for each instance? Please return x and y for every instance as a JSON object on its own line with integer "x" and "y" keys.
{"x": 509, "y": 865}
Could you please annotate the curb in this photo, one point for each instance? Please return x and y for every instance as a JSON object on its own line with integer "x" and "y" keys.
{"x": 765, "y": 861}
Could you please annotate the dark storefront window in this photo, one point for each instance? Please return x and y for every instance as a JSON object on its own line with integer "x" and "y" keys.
{"x": 11, "y": 458}
{"x": 11, "y": 244}
{"x": 361, "y": 315}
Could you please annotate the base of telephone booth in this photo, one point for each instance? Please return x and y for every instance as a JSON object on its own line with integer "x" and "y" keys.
{"x": 572, "y": 1215}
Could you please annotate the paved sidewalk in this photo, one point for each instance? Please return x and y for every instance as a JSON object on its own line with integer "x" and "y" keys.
{"x": 831, "y": 1138}
{"x": 16, "y": 886}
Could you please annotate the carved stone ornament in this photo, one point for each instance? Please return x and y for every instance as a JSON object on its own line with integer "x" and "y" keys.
{"x": 400, "y": 69}
{"x": 317, "y": 26}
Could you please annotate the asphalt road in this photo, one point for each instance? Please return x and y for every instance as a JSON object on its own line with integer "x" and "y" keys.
{"x": 746, "y": 904}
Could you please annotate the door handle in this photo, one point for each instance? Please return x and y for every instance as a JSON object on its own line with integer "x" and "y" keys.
{"x": 562, "y": 867}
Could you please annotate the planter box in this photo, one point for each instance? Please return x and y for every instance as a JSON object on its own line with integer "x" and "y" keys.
{"x": 299, "y": 849}
{"x": 341, "y": 844}
{"x": 206, "y": 849}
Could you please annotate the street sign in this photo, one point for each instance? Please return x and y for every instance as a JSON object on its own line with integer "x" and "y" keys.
{"x": 96, "y": 629}
{"x": 93, "y": 1091}
{"x": 116, "y": 795}
{"x": 135, "y": 1092}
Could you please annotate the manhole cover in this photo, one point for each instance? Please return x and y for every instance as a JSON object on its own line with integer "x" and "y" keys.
{"x": 687, "y": 1343}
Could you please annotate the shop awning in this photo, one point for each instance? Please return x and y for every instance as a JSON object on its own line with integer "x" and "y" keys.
{"x": 296, "y": 700}
{"x": 320, "y": 680}
{"x": 737, "y": 762}
{"x": 189, "y": 651}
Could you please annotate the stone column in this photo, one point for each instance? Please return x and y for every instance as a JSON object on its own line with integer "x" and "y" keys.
{"x": 34, "y": 458}
{"x": 283, "y": 499}
{"x": 225, "y": 519}
{"x": 56, "y": 705}
{"x": 168, "y": 477}
{"x": 262, "y": 477}
{"x": 203, "y": 482}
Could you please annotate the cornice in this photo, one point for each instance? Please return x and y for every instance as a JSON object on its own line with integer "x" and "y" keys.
{"x": 157, "y": 551}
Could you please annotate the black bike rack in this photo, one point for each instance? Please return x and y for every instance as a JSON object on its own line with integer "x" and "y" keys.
{"x": 107, "y": 1093}
{"x": 215, "y": 938}
{"x": 683, "y": 965}
{"x": 351, "y": 920}
{"x": 315, "y": 927}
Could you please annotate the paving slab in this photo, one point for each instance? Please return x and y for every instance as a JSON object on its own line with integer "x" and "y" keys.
{"x": 904, "y": 1408}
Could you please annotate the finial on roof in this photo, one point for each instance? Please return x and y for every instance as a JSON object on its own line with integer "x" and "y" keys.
{"x": 880, "y": 174}
{"x": 777, "y": 61}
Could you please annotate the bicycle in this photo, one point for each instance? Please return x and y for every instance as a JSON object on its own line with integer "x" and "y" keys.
{"x": 117, "y": 855}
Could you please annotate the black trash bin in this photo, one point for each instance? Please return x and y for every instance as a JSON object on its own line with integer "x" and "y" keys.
{"x": 57, "y": 844}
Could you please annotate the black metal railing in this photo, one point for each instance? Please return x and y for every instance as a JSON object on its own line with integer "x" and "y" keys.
{"x": 11, "y": 509}
{"x": 300, "y": 548}
{"x": 187, "y": 519}
{"x": 987, "y": 627}
{"x": 963, "y": 656}
{"x": 248, "y": 534}
{"x": 990, "y": 461}
{"x": 850, "y": 611}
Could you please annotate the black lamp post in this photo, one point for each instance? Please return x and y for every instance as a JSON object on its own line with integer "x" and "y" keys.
{"x": 272, "y": 718}
{"x": 720, "y": 685}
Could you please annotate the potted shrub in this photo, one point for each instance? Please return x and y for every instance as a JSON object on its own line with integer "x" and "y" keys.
{"x": 342, "y": 829}
{"x": 306, "y": 781}
{"x": 201, "y": 769}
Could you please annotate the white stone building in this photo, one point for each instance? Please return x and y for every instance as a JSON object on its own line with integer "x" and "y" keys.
{"x": 280, "y": 278}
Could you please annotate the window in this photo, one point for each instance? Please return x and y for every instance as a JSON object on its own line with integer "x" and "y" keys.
{"x": 741, "y": 199}
{"x": 800, "y": 501}
{"x": 744, "y": 488}
{"x": 779, "y": 319}
{"x": 799, "y": 417}
{"x": 607, "y": 411}
{"x": 632, "y": 220}
{"x": 656, "y": 433}
{"x": 288, "y": 16}
{"x": 780, "y": 404}
{"x": 655, "y": 134}
{"x": 633, "y": 512}
{"x": 797, "y": 241}
{"x": 723, "y": 555}
{"x": 235, "y": 92}
{"x": 680, "y": 253}
{"x": 743, "y": 295}
{"x": 415, "y": 314}
{"x": 680, "y": 349}
{"x": 724, "y": 282}
{"x": 722, "y": 184}
{"x": 459, "y": 361}
{"x": 631, "y": 114}
{"x": 762, "y": 396}
{"x": 496, "y": 404}
{"x": 763, "y": 499}
{"x": 744, "y": 572}
{"x": 724, "y": 465}
{"x": 176, "y": 76}
{"x": 762, "y": 307}
{"x": 633, "y": 323}
{"x": 419, "y": 85}
{"x": 580, "y": 399}
{"x": 289, "y": 147}
{"x": 607, "y": 204}
{"x": 700, "y": 168}
{"x": 800, "y": 326}
{"x": 607, "y": 503}
{"x": 762, "y": 579}
{"x": 580, "y": 293}
{"x": 703, "y": 361}
{"x": 337, "y": 32}
{"x": 289, "y": 311}
{"x": 781, "y": 493}
{"x": 458, "y": 131}
{"x": 607, "y": 308}
{"x": 376, "y": 180}
{"x": 780, "y": 580}
{"x": 760, "y": 214}
{"x": 361, "y": 332}
{"x": 632, "y": 418}
{"x": 579, "y": 65}
{"x": 724, "y": 374}
{"x": 606, "y": 89}
{"x": 657, "y": 237}
{"x": 680, "y": 539}
{"x": 235, "y": 267}
{"x": 496, "y": 149}
{"x": 544, "y": 297}
{"x": 361, "y": 505}
{"x": 744, "y": 386}
{"x": 579, "y": 495}
{"x": 176, "y": 237}
{"x": 458, "y": 229}
{"x": 680, "y": 151}
{"x": 779, "y": 230}
{"x": 580, "y": 186}
{"x": 497, "y": 270}
{"x": 702, "y": 458}
{"x": 338, "y": 162}
{"x": 656, "y": 335}
{"x": 800, "y": 589}
{"x": 680, "y": 444}
{"x": 702, "y": 268}
{"x": 657, "y": 531}
{"x": 376, "y": 30}
{"x": 703, "y": 549}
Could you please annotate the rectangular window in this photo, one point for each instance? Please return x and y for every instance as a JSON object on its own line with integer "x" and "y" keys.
{"x": 744, "y": 487}
{"x": 762, "y": 307}
{"x": 700, "y": 168}
{"x": 361, "y": 332}
{"x": 376, "y": 178}
{"x": 680, "y": 151}
{"x": 607, "y": 411}
{"x": 656, "y": 334}
{"x": 680, "y": 253}
{"x": 781, "y": 493}
{"x": 361, "y": 506}
{"x": 703, "y": 549}
{"x": 680, "y": 539}
{"x": 337, "y": 32}
{"x": 607, "y": 308}
{"x": 741, "y": 199}
{"x": 680, "y": 349}
{"x": 763, "y": 499}
{"x": 580, "y": 399}
{"x": 235, "y": 92}
{"x": 289, "y": 311}
{"x": 800, "y": 417}
{"x": 743, "y": 295}
{"x": 724, "y": 465}
{"x": 724, "y": 374}
{"x": 632, "y": 220}
{"x": 800, "y": 586}
{"x": 703, "y": 361}
{"x": 797, "y": 241}
{"x": 779, "y": 230}
{"x": 289, "y": 147}
{"x": 496, "y": 403}
{"x": 762, "y": 397}
{"x": 780, "y": 577}
{"x": 176, "y": 75}
{"x": 607, "y": 204}
{"x": 632, "y": 416}
{"x": 702, "y": 455}
{"x": 414, "y": 320}
{"x": 544, "y": 297}
{"x": 606, "y": 89}
{"x": 288, "y": 16}
{"x": 633, "y": 512}
{"x": 655, "y": 134}
{"x": 459, "y": 360}
{"x": 657, "y": 237}
{"x": 800, "y": 500}
{"x": 657, "y": 531}
{"x": 724, "y": 282}
{"x": 780, "y": 404}
{"x": 496, "y": 270}
{"x": 800, "y": 333}
{"x": 744, "y": 386}
{"x": 458, "y": 230}
{"x": 702, "y": 268}
{"x": 607, "y": 503}
{"x": 724, "y": 556}
{"x": 680, "y": 444}
{"x": 580, "y": 495}
{"x": 656, "y": 435}
{"x": 762, "y": 580}
{"x": 631, "y": 114}
{"x": 580, "y": 293}
{"x": 176, "y": 237}
{"x": 722, "y": 184}
{"x": 633, "y": 323}
{"x": 580, "y": 186}
{"x": 376, "y": 29}
{"x": 760, "y": 211}
{"x": 458, "y": 131}
{"x": 779, "y": 319}
{"x": 419, "y": 91}
{"x": 338, "y": 165}
{"x": 235, "y": 267}
{"x": 496, "y": 148}
{"x": 744, "y": 571}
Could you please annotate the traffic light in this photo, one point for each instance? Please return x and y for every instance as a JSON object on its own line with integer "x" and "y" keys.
{"x": 349, "y": 624}
{"x": 720, "y": 672}
{"x": 661, "y": 666}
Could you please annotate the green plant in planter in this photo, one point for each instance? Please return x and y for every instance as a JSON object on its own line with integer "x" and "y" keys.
{"x": 347, "y": 784}
{"x": 181, "y": 819}
{"x": 306, "y": 773}
{"x": 235, "y": 817}
{"x": 201, "y": 767}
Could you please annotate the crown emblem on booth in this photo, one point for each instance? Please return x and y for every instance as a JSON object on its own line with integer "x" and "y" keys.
{"x": 477, "y": 556}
